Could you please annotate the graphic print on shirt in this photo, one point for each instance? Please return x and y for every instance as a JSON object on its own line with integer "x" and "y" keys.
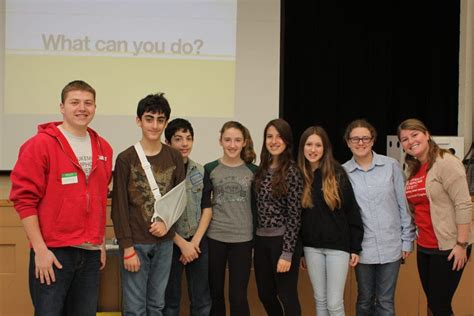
{"x": 231, "y": 189}
{"x": 140, "y": 188}
{"x": 415, "y": 187}
{"x": 86, "y": 163}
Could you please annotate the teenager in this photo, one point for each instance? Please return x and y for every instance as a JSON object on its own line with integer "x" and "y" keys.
{"x": 190, "y": 252}
{"x": 146, "y": 247}
{"x": 379, "y": 187}
{"x": 59, "y": 189}
{"x": 278, "y": 186}
{"x": 438, "y": 193}
{"x": 332, "y": 228}
{"x": 227, "y": 193}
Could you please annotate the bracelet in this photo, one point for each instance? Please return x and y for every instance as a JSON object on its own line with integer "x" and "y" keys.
{"x": 129, "y": 256}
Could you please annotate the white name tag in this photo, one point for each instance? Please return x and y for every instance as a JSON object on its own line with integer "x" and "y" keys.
{"x": 69, "y": 178}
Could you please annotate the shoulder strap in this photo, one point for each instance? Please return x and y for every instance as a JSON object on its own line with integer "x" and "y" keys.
{"x": 149, "y": 173}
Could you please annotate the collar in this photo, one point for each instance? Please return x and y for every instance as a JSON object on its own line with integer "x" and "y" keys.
{"x": 377, "y": 160}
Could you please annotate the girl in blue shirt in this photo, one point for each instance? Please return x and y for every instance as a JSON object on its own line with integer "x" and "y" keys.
{"x": 378, "y": 183}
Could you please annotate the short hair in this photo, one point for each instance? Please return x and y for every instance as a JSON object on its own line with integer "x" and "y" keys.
{"x": 176, "y": 125}
{"x": 360, "y": 123}
{"x": 154, "y": 103}
{"x": 74, "y": 86}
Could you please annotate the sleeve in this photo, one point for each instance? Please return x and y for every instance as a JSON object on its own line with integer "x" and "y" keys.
{"x": 293, "y": 224}
{"x": 206, "y": 201}
{"x": 29, "y": 178}
{"x": 352, "y": 209}
{"x": 454, "y": 181}
{"x": 253, "y": 206}
{"x": 406, "y": 220}
{"x": 120, "y": 208}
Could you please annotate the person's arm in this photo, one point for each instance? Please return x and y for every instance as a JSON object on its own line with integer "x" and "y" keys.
{"x": 453, "y": 179}
{"x": 44, "y": 258}
{"x": 460, "y": 253}
{"x": 352, "y": 209}
{"x": 121, "y": 216}
{"x": 206, "y": 216}
{"x": 29, "y": 178}
{"x": 408, "y": 233}
{"x": 293, "y": 223}
{"x": 188, "y": 252}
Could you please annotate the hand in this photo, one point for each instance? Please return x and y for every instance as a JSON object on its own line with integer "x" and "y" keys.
{"x": 303, "y": 264}
{"x": 158, "y": 229}
{"x": 283, "y": 266}
{"x": 103, "y": 257}
{"x": 44, "y": 260}
{"x": 354, "y": 260}
{"x": 460, "y": 257}
{"x": 131, "y": 264}
{"x": 188, "y": 252}
{"x": 196, "y": 244}
{"x": 405, "y": 254}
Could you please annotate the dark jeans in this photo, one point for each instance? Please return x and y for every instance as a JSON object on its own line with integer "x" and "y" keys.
{"x": 439, "y": 281}
{"x": 278, "y": 292}
{"x": 239, "y": 258}
{"x": 376, "y": 285}
{"x": 76, "y": 289}
{"x": 198, "y": 283}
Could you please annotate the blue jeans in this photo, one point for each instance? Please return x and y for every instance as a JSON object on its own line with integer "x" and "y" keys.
{"x": 327, "y": 269}
{"x": 76, "y": 289}
{"x": 144, "y": 291}
{"x": 198, "y": 283}
{"x": 376, "y": 285}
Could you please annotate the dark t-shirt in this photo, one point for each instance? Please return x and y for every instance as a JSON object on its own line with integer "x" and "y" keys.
{"x": 132, "y": 199}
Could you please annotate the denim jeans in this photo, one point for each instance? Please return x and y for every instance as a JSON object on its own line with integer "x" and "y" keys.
{"x": 376, "y": 285}
{"x": 144, "y": 291}
{"x": 327, "y": 269}
{"x": 76, "y": 289}
{"x": 198, "y": 283}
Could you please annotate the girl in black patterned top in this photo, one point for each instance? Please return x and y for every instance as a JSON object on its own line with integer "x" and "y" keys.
{"x": 278, "y": 185}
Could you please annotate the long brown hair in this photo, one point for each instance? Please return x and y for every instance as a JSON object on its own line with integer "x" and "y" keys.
{"x": 279, "y": 186}
{"x": 326, "y": 164}
{"x": 247, "y": 154}
{"x": 434, "y": 150}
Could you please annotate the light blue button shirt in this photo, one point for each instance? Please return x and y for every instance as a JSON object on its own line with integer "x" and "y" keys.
{"x": 380, "y": 193}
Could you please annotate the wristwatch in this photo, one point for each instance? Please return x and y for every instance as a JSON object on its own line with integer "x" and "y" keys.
{"x": 463, "y": 245}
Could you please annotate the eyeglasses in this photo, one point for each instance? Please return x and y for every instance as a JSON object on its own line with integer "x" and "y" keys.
{"x": 356, "y": 140}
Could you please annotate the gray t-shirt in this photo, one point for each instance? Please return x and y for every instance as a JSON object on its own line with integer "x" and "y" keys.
{"x": 228, "y": 191}
{"x": 81, "y": 146}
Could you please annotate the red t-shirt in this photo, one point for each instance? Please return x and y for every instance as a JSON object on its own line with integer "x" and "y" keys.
{"x": 416, "y": 195}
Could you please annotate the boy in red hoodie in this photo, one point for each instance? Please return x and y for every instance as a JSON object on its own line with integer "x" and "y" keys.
{"x": 59, "y": 189}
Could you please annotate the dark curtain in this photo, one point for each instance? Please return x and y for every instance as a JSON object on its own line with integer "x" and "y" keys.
{"x": 380, "y": 60}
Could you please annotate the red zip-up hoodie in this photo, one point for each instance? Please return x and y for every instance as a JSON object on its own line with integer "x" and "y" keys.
{"x": 68, "y": 214}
